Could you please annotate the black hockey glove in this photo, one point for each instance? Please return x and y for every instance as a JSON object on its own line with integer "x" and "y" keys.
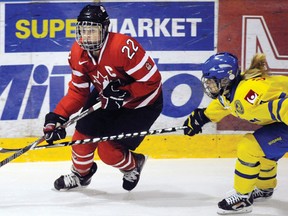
{"x": 112, "y": 96}
{"x": 52, "y": 130}
{"x": 195, "y": 122}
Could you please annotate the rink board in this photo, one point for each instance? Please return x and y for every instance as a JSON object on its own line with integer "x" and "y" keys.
{"x": 156, "y": 146}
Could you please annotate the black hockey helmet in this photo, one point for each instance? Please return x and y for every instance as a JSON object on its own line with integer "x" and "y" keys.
{"x": 94, "y": 13}
{"x": 92, "y": 18}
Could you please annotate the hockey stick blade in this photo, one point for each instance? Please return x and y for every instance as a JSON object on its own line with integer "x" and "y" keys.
{"x": 100, "y": 139}
{"x": 33, "y": 145}
{"x": 19, "y": 152}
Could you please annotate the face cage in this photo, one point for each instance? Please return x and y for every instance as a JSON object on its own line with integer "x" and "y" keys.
{"x": 213, "y": 88}
{"x": 86, "y": 31}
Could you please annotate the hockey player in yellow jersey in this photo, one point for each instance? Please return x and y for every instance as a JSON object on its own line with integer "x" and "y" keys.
{"x": 259, "y": 98}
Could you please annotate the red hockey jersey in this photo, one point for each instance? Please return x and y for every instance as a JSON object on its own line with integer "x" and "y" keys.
{"x": 121, "y": 57}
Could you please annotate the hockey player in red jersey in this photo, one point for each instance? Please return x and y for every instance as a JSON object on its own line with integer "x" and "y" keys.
{"x": 128, "y": 84}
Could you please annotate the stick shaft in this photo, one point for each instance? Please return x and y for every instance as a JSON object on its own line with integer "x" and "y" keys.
{"x": 100, "y": 139}
{"x": 33, "y": 145}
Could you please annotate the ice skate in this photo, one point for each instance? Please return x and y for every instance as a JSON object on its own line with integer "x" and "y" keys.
{"x": 260, "y": 194}
{"x": 131, "y": 178}
{"x": 74, "y": 179}
{"x": 236, "y": 204}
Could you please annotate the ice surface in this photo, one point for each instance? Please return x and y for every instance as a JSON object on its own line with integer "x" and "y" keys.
{"x": 174, "y": 187}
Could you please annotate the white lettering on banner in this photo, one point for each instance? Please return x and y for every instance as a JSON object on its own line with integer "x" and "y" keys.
{"x": 194, "y": 23}
{"x": 161, "y": 27}
{"x": 145, "y": 27}
{"x": 157, "y": 27}
{"x": 257, "y": 38}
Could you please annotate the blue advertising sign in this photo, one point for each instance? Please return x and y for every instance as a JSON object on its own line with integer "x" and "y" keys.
{"x": 37, "y": 37}
{"x": 158, "y": 26}
{"x": 18, "y": 77}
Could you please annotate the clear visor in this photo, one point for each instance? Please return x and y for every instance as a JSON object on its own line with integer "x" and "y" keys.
{"x": 89, "y": 35}
{"x": 213, "y": 88}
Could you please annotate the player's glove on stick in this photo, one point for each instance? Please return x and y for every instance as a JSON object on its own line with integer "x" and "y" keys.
{"x": 112, "y": 96}
{"x": 52, "y": 130}
{"x": 195, "y": 122}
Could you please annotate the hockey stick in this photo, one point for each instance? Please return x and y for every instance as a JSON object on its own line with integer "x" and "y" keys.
{"x": 99, "y": 139}
{"x": 33, "y": 145}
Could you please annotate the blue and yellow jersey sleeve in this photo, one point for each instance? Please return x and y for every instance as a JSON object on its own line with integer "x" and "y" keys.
{"x": 274, "y": 110}
{"x": 261, "y": 100}
{"x": 216, "y": 111}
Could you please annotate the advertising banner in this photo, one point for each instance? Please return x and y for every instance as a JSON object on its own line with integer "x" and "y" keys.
{"x": 246, "y": 27}
{"x": 36, "y": 38}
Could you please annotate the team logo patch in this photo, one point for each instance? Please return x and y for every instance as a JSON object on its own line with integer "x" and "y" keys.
{"x": 239, "y": 107}
{"x": 251, "y": 96}
{"x": 148, "y": 66}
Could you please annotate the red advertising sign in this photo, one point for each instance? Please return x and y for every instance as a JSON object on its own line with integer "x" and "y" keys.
{"x": 246, "y": 27}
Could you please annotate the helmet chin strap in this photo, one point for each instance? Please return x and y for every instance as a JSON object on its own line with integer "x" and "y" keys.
{"x": 226, "y": 92}
{"x": 96, "y": 53}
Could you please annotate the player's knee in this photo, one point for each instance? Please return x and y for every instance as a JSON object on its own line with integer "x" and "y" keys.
{"x": 248, "y": 146}
{"x": 83, "y": 149}
{"x": 110, "y": 153}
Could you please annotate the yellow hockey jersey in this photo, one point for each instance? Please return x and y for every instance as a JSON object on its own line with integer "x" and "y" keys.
{"x": 260, "y": 100}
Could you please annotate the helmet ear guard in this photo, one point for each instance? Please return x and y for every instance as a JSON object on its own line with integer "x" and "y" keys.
{"x": 218, "y": 74}
{"x": 93, "y": 19}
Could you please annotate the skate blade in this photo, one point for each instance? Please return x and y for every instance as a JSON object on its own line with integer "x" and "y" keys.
{"x": 146, "y": 158}
{"x": 79, "y": 188}
{"x": 262, "y": 199}
{"x": 231, "y": 212}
